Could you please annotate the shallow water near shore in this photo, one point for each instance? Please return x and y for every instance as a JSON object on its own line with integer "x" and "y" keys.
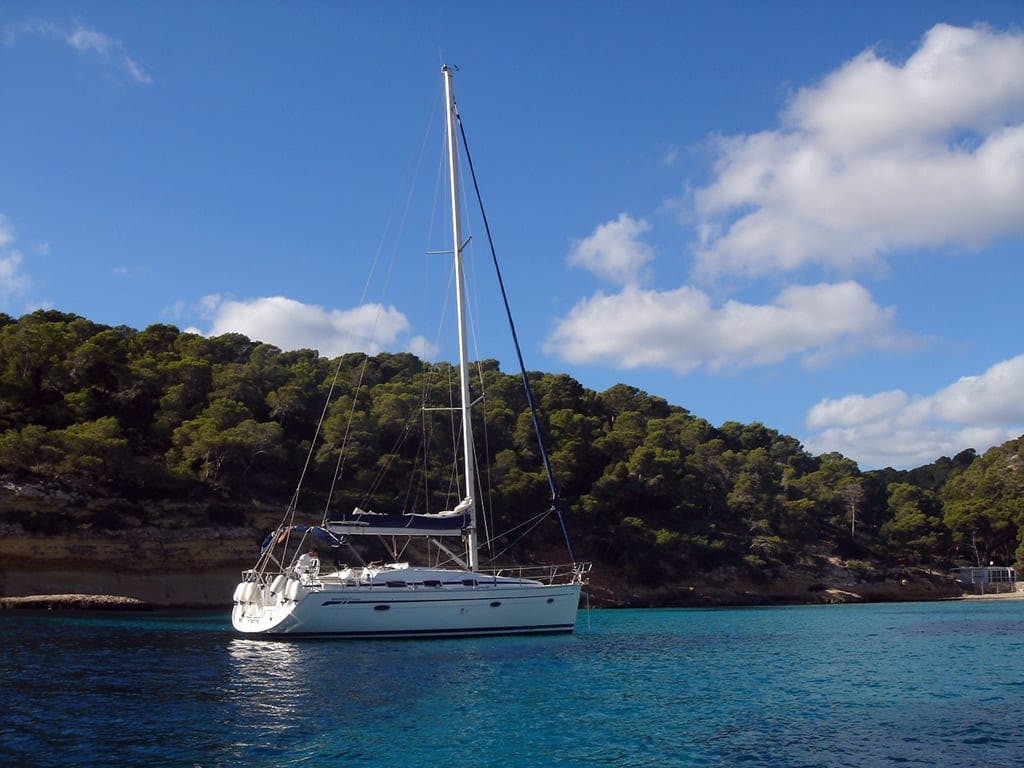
{"x": 927, "y": 684}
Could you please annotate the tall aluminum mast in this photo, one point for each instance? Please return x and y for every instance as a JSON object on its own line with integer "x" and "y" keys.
{"x": 469, "y": 458}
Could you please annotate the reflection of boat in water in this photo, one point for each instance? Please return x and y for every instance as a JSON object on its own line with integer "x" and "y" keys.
{"x": 263, "y": 680}
{"x": 254, "y": 661}
{"x": 299, "y": 595}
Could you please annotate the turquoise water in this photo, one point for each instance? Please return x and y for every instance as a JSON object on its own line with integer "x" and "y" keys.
{"x": 936, "y": 684}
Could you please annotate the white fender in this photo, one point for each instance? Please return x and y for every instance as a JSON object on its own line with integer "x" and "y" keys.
{"x": 293, "y": 590}
{"x": 278, "y": 584}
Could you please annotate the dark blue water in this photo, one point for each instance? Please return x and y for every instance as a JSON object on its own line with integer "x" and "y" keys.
{"x": 938, "y": 684}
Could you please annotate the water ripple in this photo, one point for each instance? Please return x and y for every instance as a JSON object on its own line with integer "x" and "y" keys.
{"x": 864, "y": 686}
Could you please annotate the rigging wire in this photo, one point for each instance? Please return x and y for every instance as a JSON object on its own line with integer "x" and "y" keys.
{"x": 556, "y": 503}
{"x": 485, "y": 511}
{"x": 390, "y": 457}
{"x": 339, "y": 467}
{"x": 432, "y": 374}
{"x": 532, "y": 523}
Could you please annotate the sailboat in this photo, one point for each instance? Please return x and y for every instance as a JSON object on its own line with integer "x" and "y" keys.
{"x": 307, "y": 595}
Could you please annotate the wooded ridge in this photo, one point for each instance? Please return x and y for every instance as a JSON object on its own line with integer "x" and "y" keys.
{"x": 131, "y": 423}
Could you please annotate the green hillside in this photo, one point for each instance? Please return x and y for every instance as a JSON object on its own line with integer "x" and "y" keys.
{"x": 132, "y": 418}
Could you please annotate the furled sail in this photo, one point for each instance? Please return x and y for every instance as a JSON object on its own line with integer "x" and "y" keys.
{"x": 360, "y": 522}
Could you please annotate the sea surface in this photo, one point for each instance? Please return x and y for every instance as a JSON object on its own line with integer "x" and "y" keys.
{"x": 922, "y": 684}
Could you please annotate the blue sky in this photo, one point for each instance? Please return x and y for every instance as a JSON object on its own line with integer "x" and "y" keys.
{"x": 808, "y": 214}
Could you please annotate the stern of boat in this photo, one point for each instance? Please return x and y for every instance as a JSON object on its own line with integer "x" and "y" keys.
{"x": 263, "y": 605}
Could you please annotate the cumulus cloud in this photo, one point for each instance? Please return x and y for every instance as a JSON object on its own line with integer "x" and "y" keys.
{"x": 895, "y": 429}
{"x": 987, "y": 400}
{"x": 856, "y": 409}
{"x": 878, "y": 157}
{"x": 290, "y": 324}
{"x": 13, "y": 282}
{"x": 680, "y": 330}
{"x": 614, "y": 251}
{"x": 83, "y": 39}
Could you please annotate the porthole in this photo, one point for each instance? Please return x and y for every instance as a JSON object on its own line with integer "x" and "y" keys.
{"x": 495, "y": 604}
{"x": 382, "y": 607}
{"x": 551, "y": 599}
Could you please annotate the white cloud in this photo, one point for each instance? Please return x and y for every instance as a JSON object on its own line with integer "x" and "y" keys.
{"x": 876, "y": 158}
{"x": 6, "y": 238}
{"x": 614, "y": 251}
{"x": 13, "y": 30}
{"x": 290, "y": 324}
{"x": 84, "y": 40}
{"x": 894, "y": 429}
{"x": 855, "y": 409}
{"x": 680, "y": 331}
{"x": 988, "y": 400}
{"x": 958, "y": 79}
{"x": 13, "y": 282}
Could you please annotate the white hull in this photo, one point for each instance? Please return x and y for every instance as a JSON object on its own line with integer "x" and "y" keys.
{"x": 400, "y": 604}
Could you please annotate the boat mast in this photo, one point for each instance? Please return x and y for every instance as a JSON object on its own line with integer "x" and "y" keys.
{"x": 460, "y": 304}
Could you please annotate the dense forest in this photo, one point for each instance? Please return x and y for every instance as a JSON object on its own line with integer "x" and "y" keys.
{"x": 648, "y": 488}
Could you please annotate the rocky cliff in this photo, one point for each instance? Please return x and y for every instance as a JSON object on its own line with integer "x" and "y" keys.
{"x": 173, "y": 561}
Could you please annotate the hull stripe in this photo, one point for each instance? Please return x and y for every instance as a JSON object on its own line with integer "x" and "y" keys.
{"x": 386, "y": 599}
{"x": 537, "y": 629}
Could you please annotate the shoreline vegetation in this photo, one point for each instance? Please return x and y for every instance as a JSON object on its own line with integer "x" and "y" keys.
{"x": 150, "y": 464}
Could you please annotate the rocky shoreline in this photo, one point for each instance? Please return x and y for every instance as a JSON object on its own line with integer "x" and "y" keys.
{"x": 122, "y": 590}
{"x": 827, "y": 582}
{"x": 124, "y": 603}
{"x": 181, "y": 567}
{"x": 75, "y": 602}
